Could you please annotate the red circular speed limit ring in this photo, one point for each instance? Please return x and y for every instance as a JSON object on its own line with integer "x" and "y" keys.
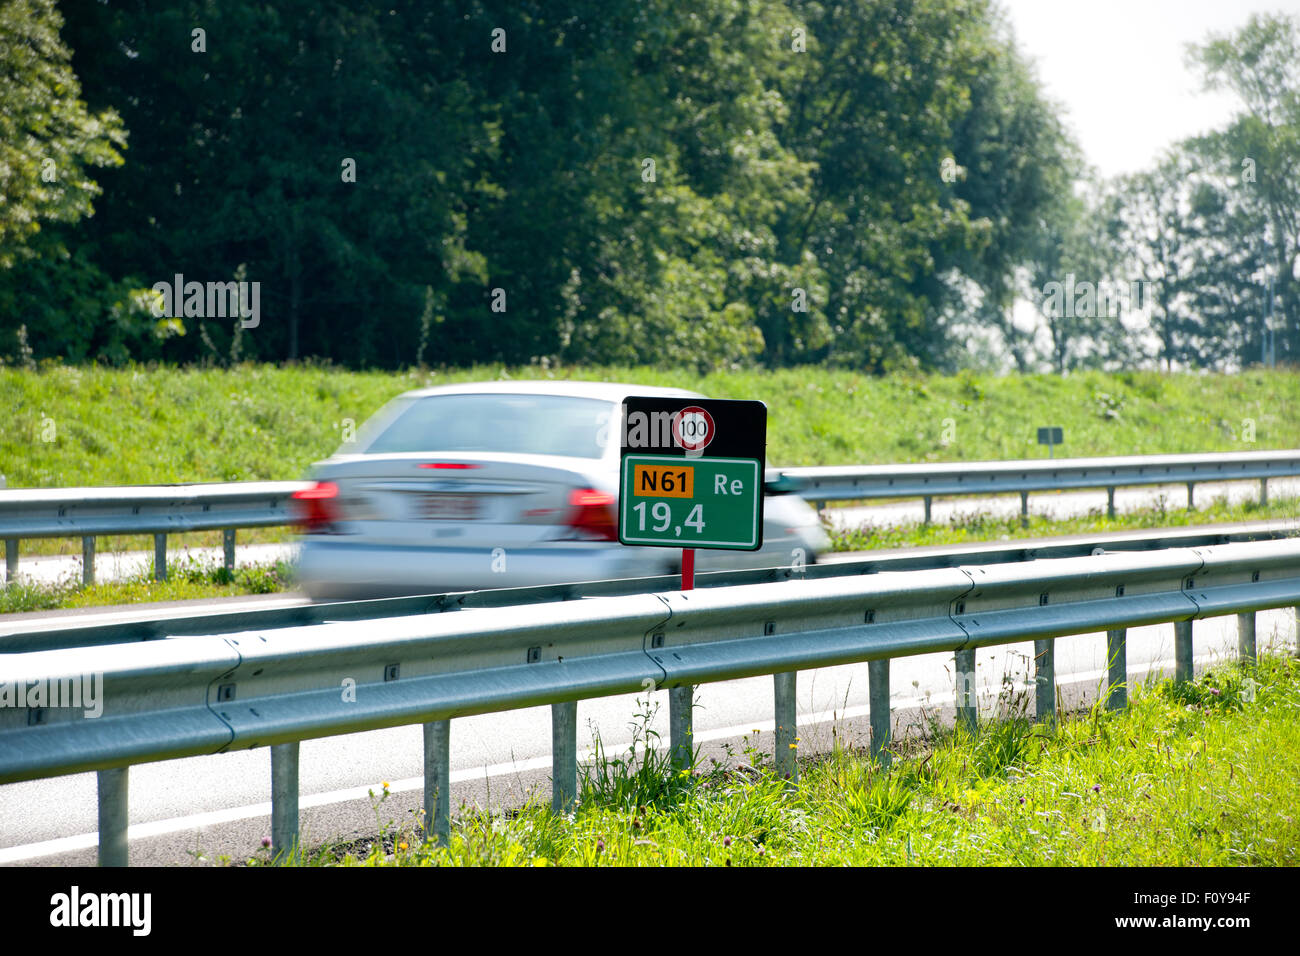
{"x": 693, "y": 428}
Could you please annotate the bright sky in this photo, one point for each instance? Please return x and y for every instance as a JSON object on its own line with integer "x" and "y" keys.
{"x": 1117, "y": 66}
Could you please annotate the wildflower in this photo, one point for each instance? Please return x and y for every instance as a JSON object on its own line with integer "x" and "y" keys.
{"x": 266, "y": 843}
{"x": 1022, "y": 801}
{"x": 402, "y": 845}
{"x": 726, "y": 841}
{"x": 384, "y": 784}
{"x": 600, "y": 846}
{"x": 1214, "y": 691}
{"x": 1096, "y": 788}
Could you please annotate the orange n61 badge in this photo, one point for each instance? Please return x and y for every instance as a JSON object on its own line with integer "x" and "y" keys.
{"x": 663, "y": 481}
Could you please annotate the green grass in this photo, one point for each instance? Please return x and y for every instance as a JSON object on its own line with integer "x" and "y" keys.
{"x": 1204, "y": 774}
{"x": 157, "y": 425}
{"x": 187, "y": 580}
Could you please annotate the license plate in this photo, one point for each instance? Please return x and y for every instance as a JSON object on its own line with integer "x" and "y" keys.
{"x": 448, "y": 507}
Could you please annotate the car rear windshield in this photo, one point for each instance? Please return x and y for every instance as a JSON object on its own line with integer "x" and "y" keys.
{"x": 522, "y": 424}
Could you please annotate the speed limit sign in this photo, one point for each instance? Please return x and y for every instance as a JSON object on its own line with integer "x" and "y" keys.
{"x": 693, "y": 427}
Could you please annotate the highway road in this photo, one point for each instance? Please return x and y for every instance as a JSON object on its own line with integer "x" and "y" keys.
{"x": 114, "y": 566}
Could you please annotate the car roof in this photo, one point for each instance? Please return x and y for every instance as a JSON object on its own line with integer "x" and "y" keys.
{"x": 608, "y": 391}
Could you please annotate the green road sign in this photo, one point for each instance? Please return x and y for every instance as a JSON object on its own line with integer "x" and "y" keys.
{"x": 673, "y": 501}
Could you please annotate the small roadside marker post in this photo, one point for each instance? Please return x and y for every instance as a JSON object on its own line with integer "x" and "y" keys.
{"x": 1051, "y": 436}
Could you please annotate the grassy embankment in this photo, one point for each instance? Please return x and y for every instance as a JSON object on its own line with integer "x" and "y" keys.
{"x": 1199, "y": 775}
{"x": 68, "y": 426}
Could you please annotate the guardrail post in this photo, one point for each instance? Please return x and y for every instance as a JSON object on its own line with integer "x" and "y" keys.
{"x": 11, "y": 558}
{"x": 228, "y": 546}
{"x": 1297, "y": 631}
{"x": 1117, "y": 656}
{"x": 1110, "y": 503}
{"x": 1024, "y": 509}
{"x": 878, "y": 689}
{"x": 1191, "y": 501}
{"x": 928, "y": 501}
{"x": 160, "y": 557}
{"x": 1045, "y": 680}
{"x": 88, "y": 559}
{"x": 680, "y": 735}
{"x": 564, "y": 756}
{"x": 1263, "y": 491}
{"x": 818, "y": 506}
{"x": 284, "y": 799}
{"x": 113, "y": 816}
{"x": 1246, "y": 638}
{"x": 786, "y": 744}
{"x": 1183, "y": 671}
{"x": 967, "y": 701}
{"x": 437, "y": 782}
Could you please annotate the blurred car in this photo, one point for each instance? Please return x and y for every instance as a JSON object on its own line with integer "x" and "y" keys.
{"x": 498, "y": 484}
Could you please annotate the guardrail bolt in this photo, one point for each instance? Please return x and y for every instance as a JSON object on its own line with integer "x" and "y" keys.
{"x": 226, "y": 692}
{"x": 656, "y": 640}
{"x": 769, "y": 627}
{"x": 534, "y": 655}
{"x": 869, "y": 617}
{"x": 1042, "y": 599}
{"x": 1119, "y": 590}
{"x": 391, "y": 671}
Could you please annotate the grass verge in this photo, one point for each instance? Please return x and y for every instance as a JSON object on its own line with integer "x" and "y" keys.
{"x": 1201, "y": 774}
{"x": 187, "y": 580}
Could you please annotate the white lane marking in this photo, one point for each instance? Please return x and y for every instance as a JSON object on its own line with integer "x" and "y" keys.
{"x": 140, "y": 831}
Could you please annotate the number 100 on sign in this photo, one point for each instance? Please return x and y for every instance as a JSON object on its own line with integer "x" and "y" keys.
{"x": 676, "y": 502}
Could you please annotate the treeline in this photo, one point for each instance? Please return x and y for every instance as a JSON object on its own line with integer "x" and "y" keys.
{"x": 871, "y": 184}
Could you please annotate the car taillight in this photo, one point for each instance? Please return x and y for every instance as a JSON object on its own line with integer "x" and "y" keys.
{"x": 592, "y": 518}
{"x": 317, "y": 507}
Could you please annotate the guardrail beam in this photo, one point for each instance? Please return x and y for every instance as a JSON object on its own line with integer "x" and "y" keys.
{"x": 1117, "y": 659}
{"x": 878, "y": 690}
{"x": 114, "y": 816}
{"x": 787, "y": 740}
{"x": 437, "y": 782}
{"x": 564, "y": 756}
{"x": 284, "y": 800}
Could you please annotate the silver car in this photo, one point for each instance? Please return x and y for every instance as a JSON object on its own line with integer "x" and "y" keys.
{"x": 497, "y": 484}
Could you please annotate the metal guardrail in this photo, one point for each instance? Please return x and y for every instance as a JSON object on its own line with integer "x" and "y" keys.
{"x": 165, "y": 624}
{"x": 168, "y": 509}
{"x": 928, "y": 481}
{"x": 212, "y": 694}
{"x": 141, "y": 509}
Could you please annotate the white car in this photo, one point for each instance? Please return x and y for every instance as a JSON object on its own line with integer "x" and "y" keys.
{"x": 497, "y": 484}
